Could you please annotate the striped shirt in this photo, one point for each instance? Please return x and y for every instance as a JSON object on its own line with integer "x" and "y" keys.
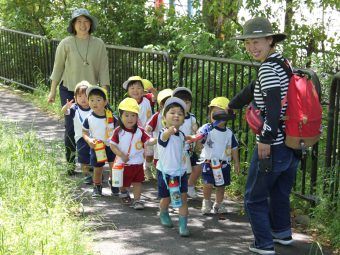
{"x": 271, "y": 85}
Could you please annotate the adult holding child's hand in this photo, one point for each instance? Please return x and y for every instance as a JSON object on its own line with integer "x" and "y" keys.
{"x": 78, "y": 57}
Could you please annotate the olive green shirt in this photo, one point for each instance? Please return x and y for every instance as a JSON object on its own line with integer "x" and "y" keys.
{"x": 81, "y": 59}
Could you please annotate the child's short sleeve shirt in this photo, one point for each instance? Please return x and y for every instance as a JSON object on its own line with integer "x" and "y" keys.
{"x": 155, "y": 123}
{"x": 98, "y": 127}
{"x": 219, "y": 144}
{"x": 78, "y": 114}
{"x": 122, "y": 138}
{"x": 172, "y": 160}
{"x": 190, "y": 121}
{"x": 145, "y": 112}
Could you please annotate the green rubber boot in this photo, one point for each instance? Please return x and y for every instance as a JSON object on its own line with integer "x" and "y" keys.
{"x": 165, "y": 219}
{"x": 183, "y": 226}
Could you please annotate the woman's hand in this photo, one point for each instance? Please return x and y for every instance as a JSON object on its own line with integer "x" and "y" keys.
{"x": 263, "y": 150}
{"x": 51, "y": 97}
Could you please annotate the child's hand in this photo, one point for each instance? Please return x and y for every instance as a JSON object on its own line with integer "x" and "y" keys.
{"x": 125, "y": 158}
{"x": 92, "y": 143}
{"x": 172, "y": 130}
{"x": 148, "y": 129}
{"x": 152, "y": 90}
{"x": 69, "y": 103}
{"x": 194, "y": 127}
{"x": 151, "y": 141}
{"x": 189, "y": 138}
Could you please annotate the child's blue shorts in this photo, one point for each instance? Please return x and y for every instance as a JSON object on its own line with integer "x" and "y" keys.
{"x": 208, "y": 176}
{"x": 109, "y": 154}
{"x": 163, "y": 191}
{"x": 83, "y": 150}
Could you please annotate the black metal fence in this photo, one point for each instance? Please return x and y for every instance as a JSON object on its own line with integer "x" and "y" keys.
{"x": 332, "y": 155}
{"x": 27, "y": 60}
{"x": 24, "y": 58}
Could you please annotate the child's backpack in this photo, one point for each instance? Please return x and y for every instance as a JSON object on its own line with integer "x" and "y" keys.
{"x": 304, "y": 112}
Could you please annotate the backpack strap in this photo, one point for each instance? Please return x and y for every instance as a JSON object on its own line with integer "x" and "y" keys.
{"x": 285, "y": 65}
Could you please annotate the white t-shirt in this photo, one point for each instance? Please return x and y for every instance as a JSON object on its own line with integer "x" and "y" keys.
{"x": 122, "y": 139}
{"x": 78, "y": 115}
{"x": 172, "y": 160}
{"x": 155, "y": 123}
{"x": 145, "y": 112}
{"x": 98, "y": 127}
{"x": 187, "y": 127}
{"x": 218, "y": 144}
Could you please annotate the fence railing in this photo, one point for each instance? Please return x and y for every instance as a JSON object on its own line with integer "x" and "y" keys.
{"x": 24, "y": 58}
{"x": 27, "y": 60}
{"x": 332, "y": 156}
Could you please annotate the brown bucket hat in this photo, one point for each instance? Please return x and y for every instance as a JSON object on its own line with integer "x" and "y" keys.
{"x": 259, "y": 27}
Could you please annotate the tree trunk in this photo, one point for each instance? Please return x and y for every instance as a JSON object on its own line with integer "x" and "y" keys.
{"x": 219, "y": 15}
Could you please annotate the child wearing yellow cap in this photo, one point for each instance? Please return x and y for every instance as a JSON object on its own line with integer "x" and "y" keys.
{"x": 127, "y": 142}
{"x": 135, "y": 89}
{"x": 220, "y": 147}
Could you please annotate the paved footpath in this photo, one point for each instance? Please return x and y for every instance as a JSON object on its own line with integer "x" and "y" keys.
{"x": 120, "y": 230}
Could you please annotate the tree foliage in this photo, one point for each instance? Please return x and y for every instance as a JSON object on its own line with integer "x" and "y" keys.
{"x": 207, "y": 32}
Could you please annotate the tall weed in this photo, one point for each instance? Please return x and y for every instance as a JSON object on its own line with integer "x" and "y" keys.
{"x": 35, "y": 199}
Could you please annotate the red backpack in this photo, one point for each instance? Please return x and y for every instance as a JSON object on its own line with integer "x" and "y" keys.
{"x": 304, "y": 112}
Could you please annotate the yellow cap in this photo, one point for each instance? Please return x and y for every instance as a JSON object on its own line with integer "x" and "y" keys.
{"x": 163, "y": 94}
{"x": 147, "y": 84}
{"x": 129, "y": 104}
{"x": 91, "y": 88}
{"x": 220, "y": 102}
{"x": 132, "y": 78}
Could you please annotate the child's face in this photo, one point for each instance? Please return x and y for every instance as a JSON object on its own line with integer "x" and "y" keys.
{"x": 97, "y": 104}
{"x": 212, "y": 111}
{"x": 81, "y": 99}
{"x": 174, "y": 117}
{"x": 129, "y": 119}
{"x": 136, "y": 91}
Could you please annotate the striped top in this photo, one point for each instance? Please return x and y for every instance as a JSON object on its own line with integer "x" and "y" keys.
{"x": 270, "y": 88}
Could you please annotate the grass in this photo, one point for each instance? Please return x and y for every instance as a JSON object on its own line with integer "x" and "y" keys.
{"x": 35, "y": 199}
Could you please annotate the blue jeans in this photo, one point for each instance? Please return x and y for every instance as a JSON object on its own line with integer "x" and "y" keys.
{"x": 267, "y": 196}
